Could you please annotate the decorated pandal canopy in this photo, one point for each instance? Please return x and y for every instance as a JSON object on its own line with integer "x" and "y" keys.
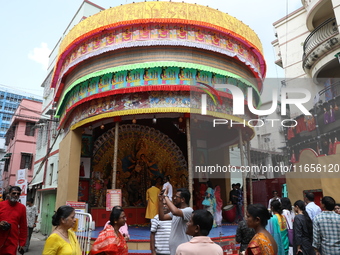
{"x": 148, "y": 58}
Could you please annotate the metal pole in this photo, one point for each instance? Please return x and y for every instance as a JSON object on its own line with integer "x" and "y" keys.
{"x": 115, "y": 156}
{"x": 244, "y": 177}
{"x": 190, "y": 176}
{"x": 250, "y": 179}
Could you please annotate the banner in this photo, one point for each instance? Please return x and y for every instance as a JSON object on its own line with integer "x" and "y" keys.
{"x": 113, "y": 198}
{"x": 22, "y": 183}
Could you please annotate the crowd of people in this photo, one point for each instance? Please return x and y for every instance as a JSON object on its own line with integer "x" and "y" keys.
{"x": 176, "y": 229}
{"x": 303, "y": 228}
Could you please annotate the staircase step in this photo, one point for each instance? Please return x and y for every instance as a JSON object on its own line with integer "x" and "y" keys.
{"x": 139, "y": 252}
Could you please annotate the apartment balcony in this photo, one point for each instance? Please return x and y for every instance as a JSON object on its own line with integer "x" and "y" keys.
{"x": 320, "y": 46}
{"x": 326, "y": 127}
{"x": 330, "y": 92}
{"x": 278, "y": 60}
{"x": 317, "y": 11}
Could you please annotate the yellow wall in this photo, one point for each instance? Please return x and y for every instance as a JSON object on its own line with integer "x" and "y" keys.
{"x": 69, "y": 162}
{"x": 327, "y": 181}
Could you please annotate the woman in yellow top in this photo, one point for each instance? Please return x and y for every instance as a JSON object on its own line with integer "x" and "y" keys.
{"x": 62, "y": 240}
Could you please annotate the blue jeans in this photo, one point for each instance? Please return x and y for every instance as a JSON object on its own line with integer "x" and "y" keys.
{"x": 29, "y": 235}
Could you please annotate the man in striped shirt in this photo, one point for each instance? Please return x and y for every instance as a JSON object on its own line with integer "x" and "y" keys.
{"x": 160, "y": 233}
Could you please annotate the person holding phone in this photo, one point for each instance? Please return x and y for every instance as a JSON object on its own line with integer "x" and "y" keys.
{"x": 167, "y": 186}
{"x": 180, "y": 214}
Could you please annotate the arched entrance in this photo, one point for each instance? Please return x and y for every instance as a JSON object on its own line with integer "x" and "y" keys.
{"x": 144, "y": 153}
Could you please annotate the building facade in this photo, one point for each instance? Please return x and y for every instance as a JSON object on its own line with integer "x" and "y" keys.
{"x": 21, "y": 141}
{"x": 44, "y": 184}
{"x": 307, "y": 47}
{"x": 9, "y": 100}
{"x": 127, "y": 87}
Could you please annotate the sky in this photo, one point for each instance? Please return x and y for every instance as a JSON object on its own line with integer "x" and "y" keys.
{"x": 31, "y": 29}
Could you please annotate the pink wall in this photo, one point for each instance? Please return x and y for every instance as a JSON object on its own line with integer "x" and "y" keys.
{"x": 28, "y": 111}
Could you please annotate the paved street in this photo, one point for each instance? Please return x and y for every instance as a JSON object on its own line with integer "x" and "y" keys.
{"x": 37, "y": 244}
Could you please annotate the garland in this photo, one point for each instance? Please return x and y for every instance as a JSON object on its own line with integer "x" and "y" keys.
{"x": 156, "y": 110}
{"x": 152, "y": 65}
{"x": 68, "y": 44}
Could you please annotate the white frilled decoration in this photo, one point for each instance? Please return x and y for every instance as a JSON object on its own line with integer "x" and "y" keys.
{"x": 149, "y": 43}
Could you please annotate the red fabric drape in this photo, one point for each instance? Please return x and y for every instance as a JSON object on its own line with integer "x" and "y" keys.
{"x": 301, "y": 125}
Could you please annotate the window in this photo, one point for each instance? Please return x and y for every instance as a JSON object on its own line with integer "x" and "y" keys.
{"x": 6, "y": 164}
{"x": 266, "y": 139}
{"x": 29, "y": 129}
{"x": 26, "y": 161}
{"x": 50, "y": 177}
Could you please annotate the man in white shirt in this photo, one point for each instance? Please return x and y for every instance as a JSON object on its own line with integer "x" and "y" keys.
{"x": 273, "y": 198}
{"x": 180, "y": 214}
{"x": 167, "y": 186}
{"x": 32, "y": 216}
{"x": 311, "y": 208}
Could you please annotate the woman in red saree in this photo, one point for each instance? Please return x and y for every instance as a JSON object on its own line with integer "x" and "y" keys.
{"x": 110, "y": 241}
{"x": 262, "y": 243}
